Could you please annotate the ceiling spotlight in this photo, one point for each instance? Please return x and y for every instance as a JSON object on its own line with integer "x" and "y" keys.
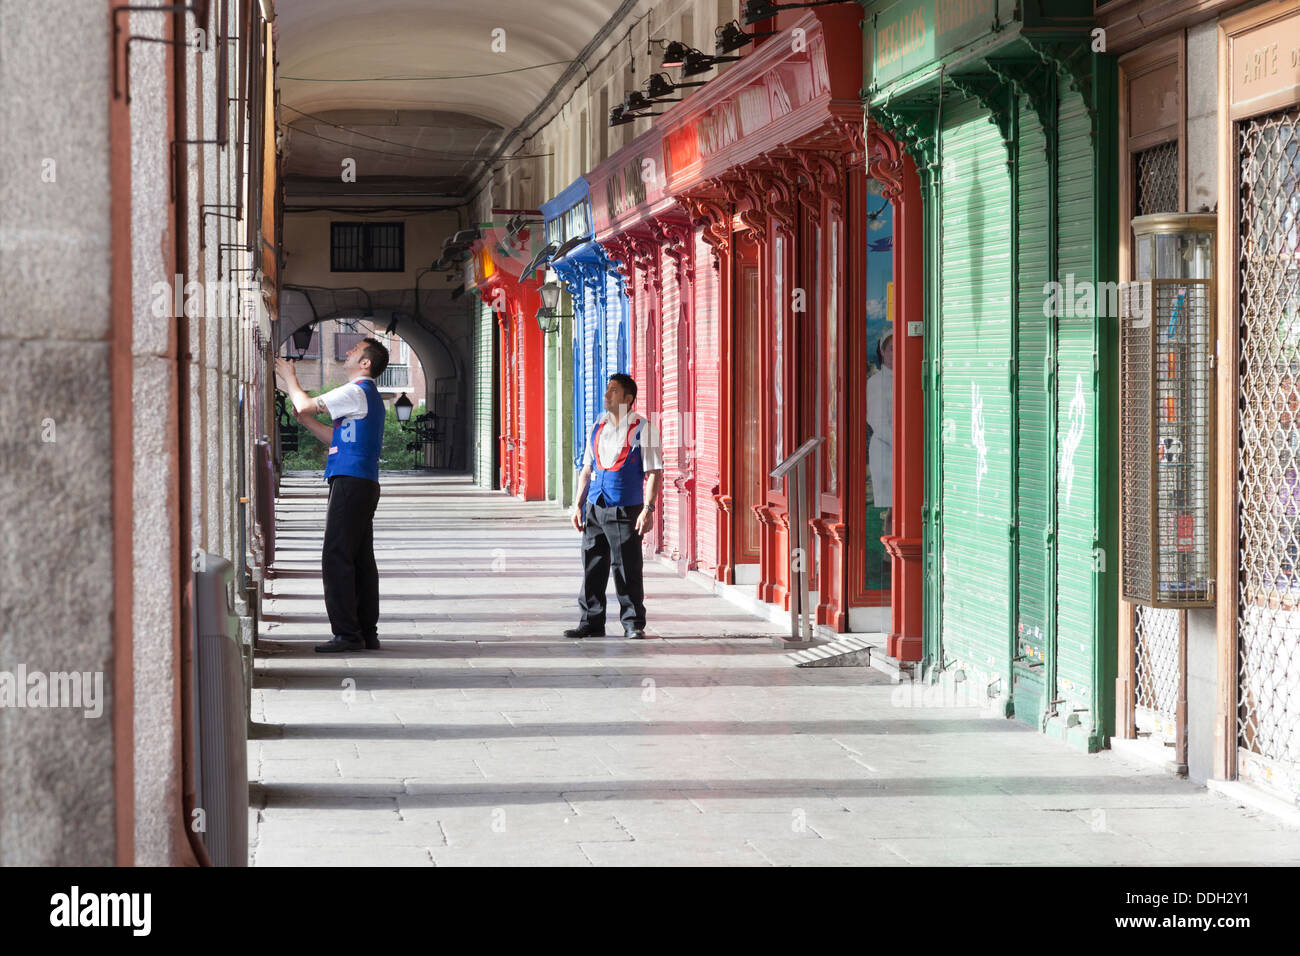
{"x": 660, "y": 85}
{"x": 756, "y": 10}
{"x": 730, "y": 37}
{"x": 697, "y": 63}
{"x": 517, "y": 226}
{"x": 636, "y": 101}
{"x": 619, "y": 117}
{"x": 675, "y": 54}
{"x": 569, "y": 245}
{"x": 466, "y": 236}
{"x": 544, "y": 255}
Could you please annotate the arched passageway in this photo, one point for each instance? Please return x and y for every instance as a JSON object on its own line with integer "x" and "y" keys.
{"x": 437, "y": 331}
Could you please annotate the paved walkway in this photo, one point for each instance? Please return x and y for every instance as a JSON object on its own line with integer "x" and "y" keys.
{"x": 479, "y": 735}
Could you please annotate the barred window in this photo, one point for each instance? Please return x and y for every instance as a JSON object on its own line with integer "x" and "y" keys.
{"x": 344, "y": 342}
{"x": 367, "y": 247}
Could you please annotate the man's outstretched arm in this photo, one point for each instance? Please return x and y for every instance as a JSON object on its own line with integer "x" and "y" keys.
{"x": 302, "y": 402}
{"x": 323, "y": 432}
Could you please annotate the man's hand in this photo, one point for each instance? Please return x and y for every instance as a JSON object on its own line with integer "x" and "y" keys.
{"x": 286, "y": 371}
{"x": 644, "y": 522}
{"x": 576, "y": 517}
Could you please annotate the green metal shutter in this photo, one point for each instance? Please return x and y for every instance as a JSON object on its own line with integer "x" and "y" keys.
{"x": 485, "y": 441}
{"x": 1078, "y": 478}
{"x": 1034, "y": 453}
{"x": 975, "y": 394}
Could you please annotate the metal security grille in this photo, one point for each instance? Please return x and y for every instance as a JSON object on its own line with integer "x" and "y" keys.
{"x": 1166, "y": 442}
{"x": 367, "y": 247}
{"x": 1156, "y": 642}
{"x": 1268, "y": 457}
{"x": 1157, "y": 179}
{"x": 1158, "y": 663}
{"x": 1135, "y": 449}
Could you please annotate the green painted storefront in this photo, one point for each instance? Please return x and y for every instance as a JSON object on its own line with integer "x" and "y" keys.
{"x": 1010, "y": 118}
{"x": 559, "y": 409}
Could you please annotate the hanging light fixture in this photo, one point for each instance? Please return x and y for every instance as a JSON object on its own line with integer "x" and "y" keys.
{"x": 302, "y": 339}
{"x": 403, "y": 408}
{"x": 547, "y": 319}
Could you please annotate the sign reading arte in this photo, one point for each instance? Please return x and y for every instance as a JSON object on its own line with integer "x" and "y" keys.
{"x": 912, "y": 33}
{"x": 1266, "y": 67}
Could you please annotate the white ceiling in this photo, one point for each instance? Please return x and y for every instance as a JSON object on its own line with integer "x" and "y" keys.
{"x": 334, "y": 56}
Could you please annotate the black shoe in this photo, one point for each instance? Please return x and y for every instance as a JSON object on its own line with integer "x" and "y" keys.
{"x": 585, "y": 630}
{"x": 372, "y": 643}
{"x": 340, "y": 645}
{"x": 634, "y": 634}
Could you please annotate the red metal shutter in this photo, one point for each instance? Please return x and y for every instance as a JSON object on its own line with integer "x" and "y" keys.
{"x": 670, "y": 423}
{"x": 521, "y": 428}
{"x": 708, "y": 437}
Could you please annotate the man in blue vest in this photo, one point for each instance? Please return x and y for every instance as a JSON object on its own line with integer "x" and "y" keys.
{"x": 613, "y": 510}
{"x": 355, "y": 439}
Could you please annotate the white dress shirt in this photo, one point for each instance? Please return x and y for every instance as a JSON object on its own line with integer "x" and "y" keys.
{"x": 614, "y": 435}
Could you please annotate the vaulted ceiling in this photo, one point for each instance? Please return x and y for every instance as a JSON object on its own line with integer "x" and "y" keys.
{"x": 421, "y": 93}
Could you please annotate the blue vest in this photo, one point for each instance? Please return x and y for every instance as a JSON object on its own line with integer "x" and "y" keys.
{"x": 356, "y": 443}
{"x": 620, "y": 480}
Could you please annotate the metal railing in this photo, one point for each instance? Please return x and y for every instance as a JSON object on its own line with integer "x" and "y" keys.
{"x": 395, "y": 376}
{"x": 792, "y": 470}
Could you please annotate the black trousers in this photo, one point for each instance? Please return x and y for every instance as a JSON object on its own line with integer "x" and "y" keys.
{"x": 347, "y": 559}
{"x": 610, "y": 540}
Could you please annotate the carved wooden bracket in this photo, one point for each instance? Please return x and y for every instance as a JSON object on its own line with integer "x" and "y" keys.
{"x": 747, "y": 199}
{"x": 677, "y": 238}
{"x": 885, "y": 162}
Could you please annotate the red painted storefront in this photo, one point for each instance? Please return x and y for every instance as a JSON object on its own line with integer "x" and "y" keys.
{"x": 522, "y": 442}
{"x": 739, "y": 222}
{"x": 890, "y": 166}
{"x": 770, "y": 156}
{"x": 672, "y": 287}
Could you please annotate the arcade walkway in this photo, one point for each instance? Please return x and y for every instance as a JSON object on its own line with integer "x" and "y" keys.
{"x": 479, "y": 735}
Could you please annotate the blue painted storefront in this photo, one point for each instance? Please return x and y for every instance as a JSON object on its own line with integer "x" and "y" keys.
{"x": 600, "y": 306}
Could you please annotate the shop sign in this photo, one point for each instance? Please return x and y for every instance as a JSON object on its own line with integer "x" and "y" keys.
{"x": 1265, "y": 67}
{"x": 780, "y": 90}
{"x": 574, "y": 221}
{"x": 911, "y": 34}
{"x": 631, "y": 182}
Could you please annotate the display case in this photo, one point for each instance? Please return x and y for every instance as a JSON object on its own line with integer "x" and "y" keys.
{"x": 1166, "y": 409}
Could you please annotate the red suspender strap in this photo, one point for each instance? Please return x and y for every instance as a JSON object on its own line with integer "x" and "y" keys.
{"x": 595, "y": 443}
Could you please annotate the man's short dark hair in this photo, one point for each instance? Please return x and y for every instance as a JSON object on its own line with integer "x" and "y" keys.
{"x": 378, "y": 355}
{"x": 625, "y": 382}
